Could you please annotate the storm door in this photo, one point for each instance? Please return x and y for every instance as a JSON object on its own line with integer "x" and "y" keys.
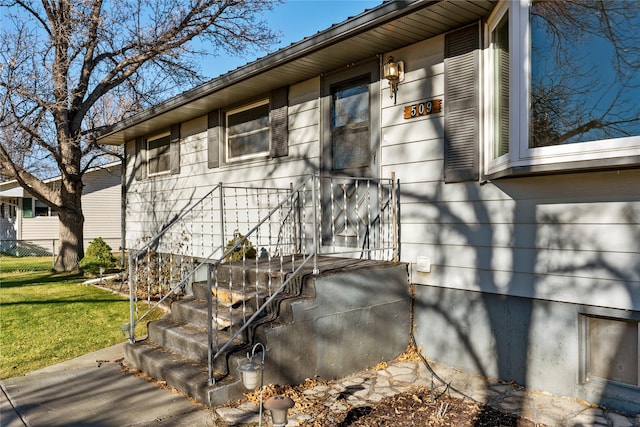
{"x": 349, "y": 157}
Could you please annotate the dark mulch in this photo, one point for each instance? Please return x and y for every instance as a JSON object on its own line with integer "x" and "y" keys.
{"x": 416, "y": 408}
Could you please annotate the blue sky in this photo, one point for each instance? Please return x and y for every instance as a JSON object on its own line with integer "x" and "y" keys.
{"x": 295, "y": 19}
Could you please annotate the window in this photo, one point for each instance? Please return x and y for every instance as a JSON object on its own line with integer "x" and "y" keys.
{"x": 257, "y": 130}
{"x": 500, "y": 50}
{"x": 350, "y": 109}
{"x": 555, "y": 104}
{"x": 611, "y": 350}
{"x": 350, "y": 124}
{"x": 248, "y": 132}
{"x": 40, "y": 209}
{"x": 158, "y": 152}
{"x": 33, "y": 208}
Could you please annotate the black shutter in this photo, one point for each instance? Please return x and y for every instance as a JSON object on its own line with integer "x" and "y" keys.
{"x": 461, "y": 105}
{"x": 174, "y": 150}
{"x": 279, "y": 120}
{"x": 141, "y": 159}
{"x": 213, "y": 139}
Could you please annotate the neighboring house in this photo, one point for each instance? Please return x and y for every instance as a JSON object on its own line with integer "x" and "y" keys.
{"x": 520, "y": 226}
{"x": 29, "y": 224}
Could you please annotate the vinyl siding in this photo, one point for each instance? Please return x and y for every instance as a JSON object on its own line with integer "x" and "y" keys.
{"x": 151, "y": 203}
{"x": 569, "y": 238}
{"x": 101, "y": 205}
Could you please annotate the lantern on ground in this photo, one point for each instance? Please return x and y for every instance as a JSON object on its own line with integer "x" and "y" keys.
{"x": 279, "y": 406}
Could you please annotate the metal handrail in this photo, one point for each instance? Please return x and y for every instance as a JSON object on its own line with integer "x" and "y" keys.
{"x": 174, "y": 221}
{"x": 375, "y": 215}
{"x": 254, "y": 316}
{"x": 181, "y": 283}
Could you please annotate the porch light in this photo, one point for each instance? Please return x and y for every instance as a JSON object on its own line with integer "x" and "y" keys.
{"x": 394, "y": 73}
{"x": 252, "y": 374}
{"x": 279, "y": 406}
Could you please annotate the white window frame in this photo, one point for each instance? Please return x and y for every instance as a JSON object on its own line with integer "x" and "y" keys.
{"x": 520, "y": 154}
{"x": 259, "y": 154}
{"x": 153, "y": 138}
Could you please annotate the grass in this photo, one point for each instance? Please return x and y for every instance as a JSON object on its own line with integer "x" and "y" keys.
{"x": 12, "y": 264}
{"x": 46, "y": 318}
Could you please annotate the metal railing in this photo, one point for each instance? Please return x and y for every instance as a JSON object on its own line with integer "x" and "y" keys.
{"x": 255, "y": 242}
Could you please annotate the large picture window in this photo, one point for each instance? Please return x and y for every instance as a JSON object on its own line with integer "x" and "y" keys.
{"x": 576, "y": 94}
{"x": 570, "y": 74}
{"x": 248, "y": 132}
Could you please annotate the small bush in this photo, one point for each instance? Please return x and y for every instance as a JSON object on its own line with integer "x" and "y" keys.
{"x": 245, "y": 250}
{"x": 98, "y": 255}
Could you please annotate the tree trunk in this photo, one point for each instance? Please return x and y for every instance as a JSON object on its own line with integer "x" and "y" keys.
{"x": 71, "y": 248}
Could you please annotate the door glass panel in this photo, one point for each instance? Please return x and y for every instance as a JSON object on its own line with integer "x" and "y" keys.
{"x": 350, "y": 137}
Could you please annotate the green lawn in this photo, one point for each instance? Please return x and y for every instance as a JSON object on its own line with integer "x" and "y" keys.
{"x": 46, "y": 318}
{"x": 32, "y": 263}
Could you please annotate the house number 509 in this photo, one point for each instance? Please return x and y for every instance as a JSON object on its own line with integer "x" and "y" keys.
{"x": 423, "y": 109}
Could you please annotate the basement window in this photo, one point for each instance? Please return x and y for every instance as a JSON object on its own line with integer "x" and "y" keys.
{"x": 612, "y": 350}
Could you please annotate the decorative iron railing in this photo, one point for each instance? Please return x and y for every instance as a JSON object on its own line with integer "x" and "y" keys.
{"x": 253, "y": 243}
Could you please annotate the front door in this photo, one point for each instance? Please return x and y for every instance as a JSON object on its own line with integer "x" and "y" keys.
{"x": 350, "y": 153}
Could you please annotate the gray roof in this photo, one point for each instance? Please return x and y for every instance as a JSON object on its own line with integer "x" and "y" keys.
{"x": 387, "y": 27}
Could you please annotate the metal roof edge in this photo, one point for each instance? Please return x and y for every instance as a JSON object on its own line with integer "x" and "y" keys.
{"x": 362, "y": 22}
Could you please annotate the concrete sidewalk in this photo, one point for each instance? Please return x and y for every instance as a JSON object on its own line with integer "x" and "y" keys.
{"x": 93, "y": 390}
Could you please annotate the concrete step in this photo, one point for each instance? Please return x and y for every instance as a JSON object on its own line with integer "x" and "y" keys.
{"x": 194, "y": 312}
{"x": 189, "y": 310}
{"x": 200, "y": 290}
{"x": 309, "y": 331}
{"x": 183, "y": 374}
{"x": 263, "y": 272}
{"x": 189, "y": 341}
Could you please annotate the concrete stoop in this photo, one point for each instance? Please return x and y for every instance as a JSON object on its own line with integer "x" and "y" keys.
{"x": 353, "y": 315}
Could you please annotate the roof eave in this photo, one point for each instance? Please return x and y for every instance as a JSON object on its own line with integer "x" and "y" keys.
{"x": 321, "y": 41}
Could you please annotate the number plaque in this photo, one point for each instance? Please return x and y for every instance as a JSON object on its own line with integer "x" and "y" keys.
{"x": 423, "y": 109}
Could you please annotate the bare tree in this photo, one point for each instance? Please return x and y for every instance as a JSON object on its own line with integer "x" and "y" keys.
{"x": 70, "y": 67}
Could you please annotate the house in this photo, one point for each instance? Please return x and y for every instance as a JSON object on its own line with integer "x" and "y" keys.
{"x": 28, "y": 226}
{"x": 518, "y": 206}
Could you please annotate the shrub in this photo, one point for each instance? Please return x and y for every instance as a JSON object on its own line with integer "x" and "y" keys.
{"x": 245, "y": 250}
{"x": 98, "y": 255}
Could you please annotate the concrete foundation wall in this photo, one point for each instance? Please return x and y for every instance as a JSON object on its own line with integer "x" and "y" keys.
{"x": 536, "y": 343}
{"x": 356, "y": 320}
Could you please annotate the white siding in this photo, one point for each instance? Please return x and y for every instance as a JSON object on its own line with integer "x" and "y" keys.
{"x": 101, "y": 206}
{"x": 40, "y": 228}
{"x": 571, "y": 238}
{"x": 153, "y": 202}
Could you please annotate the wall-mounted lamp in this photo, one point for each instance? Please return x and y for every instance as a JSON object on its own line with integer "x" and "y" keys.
{"x": 279, "y": 406}
{"x": 394, "y": 73}
{"x": 252, "y": 374}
